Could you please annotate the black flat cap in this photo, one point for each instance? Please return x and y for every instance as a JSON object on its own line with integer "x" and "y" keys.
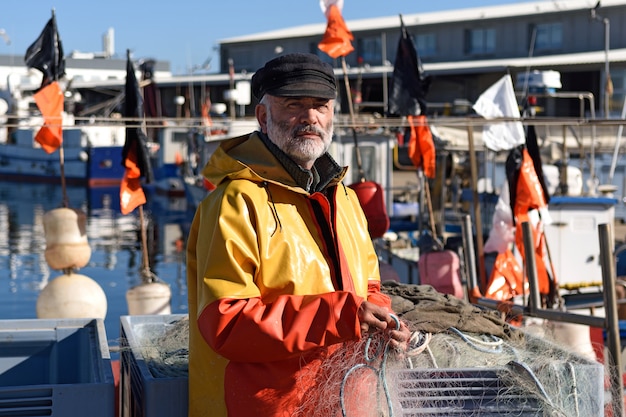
{"x": 295, "y": 75}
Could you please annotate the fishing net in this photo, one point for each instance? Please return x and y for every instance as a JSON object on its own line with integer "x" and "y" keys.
{"x": 164, "y": 348}
{"x": 462, "y": 361}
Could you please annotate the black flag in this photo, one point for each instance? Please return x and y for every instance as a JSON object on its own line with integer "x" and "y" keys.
{"x": 409, "y": 85}
{"x": 513, "y": 165}
{"x": 533, "y": 151}
{"x": 46, "y": 53}
{"x": 136, "y": 140}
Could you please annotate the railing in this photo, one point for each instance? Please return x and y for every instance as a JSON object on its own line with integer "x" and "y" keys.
{"x": 533, "y": 308}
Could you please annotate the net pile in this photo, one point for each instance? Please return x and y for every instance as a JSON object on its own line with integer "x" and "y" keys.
{"x": 461, "y": 361}
{"x": 165, "y": 349}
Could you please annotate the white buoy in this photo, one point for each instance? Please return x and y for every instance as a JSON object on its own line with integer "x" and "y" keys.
{"x": 72, "y": 296}
{"x": 66, "y": 239}
{"x": 149, "y": 298}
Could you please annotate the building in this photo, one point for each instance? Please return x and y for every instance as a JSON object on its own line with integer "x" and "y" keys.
{"x": 463, "y": 51}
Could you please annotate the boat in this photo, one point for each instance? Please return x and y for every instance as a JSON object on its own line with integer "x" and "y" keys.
{"x": 91, "y": 154}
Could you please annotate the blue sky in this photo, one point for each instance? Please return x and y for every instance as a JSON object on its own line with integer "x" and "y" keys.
{"x": 184, "y": 32}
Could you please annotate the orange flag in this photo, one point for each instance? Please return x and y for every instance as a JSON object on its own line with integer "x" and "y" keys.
{"x": 337, "y": 38}
{"x": 421, "y": 146}
{"x": 529, "y": 195}
{"x": 131, "y": 192}
{"x": 507, "y": 280}
{"x": 50, "y": 102}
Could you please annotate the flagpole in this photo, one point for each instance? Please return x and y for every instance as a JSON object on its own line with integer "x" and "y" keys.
{"x": 56, "y": 78}
{"x": 346, "y": 81}
{"x": 476, "y": 205}
{"x": 62, "y": 171}
{"x": 146, "y": 274}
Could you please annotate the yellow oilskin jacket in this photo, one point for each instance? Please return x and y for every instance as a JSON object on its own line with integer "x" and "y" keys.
{"x": 275, "y": 278}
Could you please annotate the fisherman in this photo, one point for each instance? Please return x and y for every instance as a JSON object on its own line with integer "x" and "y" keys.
{"x": 281, "y": 268}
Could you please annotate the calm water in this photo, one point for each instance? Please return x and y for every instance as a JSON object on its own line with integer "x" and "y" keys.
{"x": 114, "y": 239}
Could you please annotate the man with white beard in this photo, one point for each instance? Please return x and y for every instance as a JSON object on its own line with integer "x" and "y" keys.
{"x": 281, "y": 269}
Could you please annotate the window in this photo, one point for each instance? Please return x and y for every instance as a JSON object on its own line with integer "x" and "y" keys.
{"x": 481, "y": 41}
{"x": 370, "y": 50}
{"x": 242, "y": 59}
{"x": 426, "y": 44}
{"x": 549, "y": 36}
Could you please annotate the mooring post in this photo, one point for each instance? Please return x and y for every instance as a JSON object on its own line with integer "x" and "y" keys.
{"x": 611, "y": 319}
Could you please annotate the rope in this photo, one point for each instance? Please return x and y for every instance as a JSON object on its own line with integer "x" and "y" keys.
{"x": 492, "y": 346}
{"x": 381, "y": 373}
{"x": 418, "y": 343}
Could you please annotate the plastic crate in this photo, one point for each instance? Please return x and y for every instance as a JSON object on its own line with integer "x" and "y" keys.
{"x": 143, "y": 393}
{"x": 55, "y": 368}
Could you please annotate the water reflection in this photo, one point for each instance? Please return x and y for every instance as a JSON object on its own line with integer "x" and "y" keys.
{"x": 114, "y": 239}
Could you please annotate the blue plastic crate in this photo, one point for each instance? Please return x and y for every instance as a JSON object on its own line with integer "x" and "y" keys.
{"x": 143, "y": 392}
{"x": 55, "y": 368}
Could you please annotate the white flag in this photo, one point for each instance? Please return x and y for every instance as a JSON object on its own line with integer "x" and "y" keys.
{"x": 325, "y": 4}
{"x": 499, "y": 101}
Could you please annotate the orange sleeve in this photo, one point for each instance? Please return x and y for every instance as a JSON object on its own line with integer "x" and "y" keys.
{"x": 375, "y": 296}
{"x": 252, "y": 331}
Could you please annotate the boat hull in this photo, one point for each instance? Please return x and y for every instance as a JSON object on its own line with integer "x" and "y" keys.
{"x": 23, "y": 160}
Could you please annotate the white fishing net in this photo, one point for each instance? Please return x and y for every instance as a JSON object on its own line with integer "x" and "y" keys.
{"x": 449, "y": 369}
{"x": 452, "y": 373}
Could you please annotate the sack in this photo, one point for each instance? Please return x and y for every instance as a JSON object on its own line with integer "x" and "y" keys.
{"x": 372, "y": 199}
{"x": 441, "y": 270}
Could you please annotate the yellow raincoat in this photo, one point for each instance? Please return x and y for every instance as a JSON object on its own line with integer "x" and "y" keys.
{"x": 275, "y": 278}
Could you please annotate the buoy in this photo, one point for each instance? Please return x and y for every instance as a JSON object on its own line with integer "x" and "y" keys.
{"x": 72, "y": 296}
{"x": 149, "y": 298}
{"x": 66, "y": 239}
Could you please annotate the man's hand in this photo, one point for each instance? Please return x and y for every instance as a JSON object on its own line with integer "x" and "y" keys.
{"x": 373, "y": 318}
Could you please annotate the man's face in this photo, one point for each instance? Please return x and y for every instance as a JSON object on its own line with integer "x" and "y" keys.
{"x": 300, "y": 126}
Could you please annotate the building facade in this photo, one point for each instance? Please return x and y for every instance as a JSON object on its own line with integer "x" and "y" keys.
{"x": 465, "y": 51}
{"x": 462, "y": 51}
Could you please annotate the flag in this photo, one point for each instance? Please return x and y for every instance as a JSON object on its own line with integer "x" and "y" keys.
{"x": 337, "y": 40}
{"x": 507, "y": 278}
{"x": 46, "y": 53}
{"x": 134, "y": 154}
{"x": 533, "y": 152}
{"x": 150, "y": 91}
{"x": 409, "y": 85}
{"x": 49, "y": 100}
{"x": 499, "y": 101}
{"x": 527, "y": 200}
{"x": 421, "y": 146}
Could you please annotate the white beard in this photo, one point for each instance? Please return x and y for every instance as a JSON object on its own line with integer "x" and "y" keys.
{"x": 299, "y": 149}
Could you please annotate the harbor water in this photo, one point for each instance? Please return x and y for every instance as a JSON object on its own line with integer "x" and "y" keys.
{"x": 115, "y": 241}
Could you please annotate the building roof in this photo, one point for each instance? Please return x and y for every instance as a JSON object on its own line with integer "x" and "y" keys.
{"x": 457, "y": 15}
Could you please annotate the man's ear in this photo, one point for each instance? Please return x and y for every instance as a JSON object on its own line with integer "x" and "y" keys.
{"x": 261, "y": 116}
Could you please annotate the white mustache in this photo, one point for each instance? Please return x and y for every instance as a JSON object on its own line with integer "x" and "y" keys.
{"x": 308, "y": 129}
